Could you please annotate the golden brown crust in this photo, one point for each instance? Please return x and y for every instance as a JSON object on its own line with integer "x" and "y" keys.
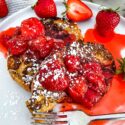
{"x": 21, "y": 70}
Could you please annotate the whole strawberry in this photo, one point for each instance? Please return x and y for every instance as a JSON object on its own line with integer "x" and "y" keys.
{"x": 106, "y": 22}
{"x": 45, "y": 8}
{"x": 3, "y": 8}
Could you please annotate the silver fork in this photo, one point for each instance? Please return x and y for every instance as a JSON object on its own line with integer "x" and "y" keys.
{"x": 72, "y": 118}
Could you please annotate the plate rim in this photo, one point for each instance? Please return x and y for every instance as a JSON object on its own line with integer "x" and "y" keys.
{"x": 26, "y": 8}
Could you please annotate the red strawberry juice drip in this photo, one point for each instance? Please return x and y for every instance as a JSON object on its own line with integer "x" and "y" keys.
{"x": 114, "y": 100}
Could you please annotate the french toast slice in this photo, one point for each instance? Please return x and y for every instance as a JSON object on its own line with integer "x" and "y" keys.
{"x": 43, "y": 100}
{"x": 22, "y": 69}
{"x": 91, "y": 54}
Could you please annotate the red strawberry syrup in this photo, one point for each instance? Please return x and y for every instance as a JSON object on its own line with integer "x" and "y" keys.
{"x": 114, "y": 100}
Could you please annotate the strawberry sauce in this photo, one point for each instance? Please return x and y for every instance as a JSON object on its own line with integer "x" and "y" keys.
{"x": 114, "y": 100}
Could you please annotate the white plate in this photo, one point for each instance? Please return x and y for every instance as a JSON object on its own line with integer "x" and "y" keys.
{"x": 12, "y": 97}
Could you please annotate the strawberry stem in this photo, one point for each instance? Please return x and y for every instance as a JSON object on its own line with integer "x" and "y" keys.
{"x": 121, "y": 69}
{"x": 66, "y": 6}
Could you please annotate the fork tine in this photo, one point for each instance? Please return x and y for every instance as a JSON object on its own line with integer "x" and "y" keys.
{"x": 45, "y": 113}
{"x": 50, "y": 115}
{"x": 52, "y": 123}
{"x": 34, "y": 123}
{"x": 49, "y": 118}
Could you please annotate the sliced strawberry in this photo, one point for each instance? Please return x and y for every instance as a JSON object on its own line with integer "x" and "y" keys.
{"x": 58, "y": 44}
{"x": 45, "y": 8}
{"x": 72, "y": 63}
{"x": 17, "y": 45}
{"x": 78, "y": 11}
{"x": 96, "y": 82}
{"x": 92, "y": 66}
{"x": 41, "y": 45}
{"x": 53, "y": 84}
{"x": 94, "y": 76}
{"x": 78, "y": 89}
{"x": 32, "y": 28}
{"x": 52, "y": 76}
{"x": 90, "y": 98}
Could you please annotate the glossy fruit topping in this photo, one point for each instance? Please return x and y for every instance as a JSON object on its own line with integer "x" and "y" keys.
{"x": 72, "y": 63}
{"x": 90, "y": 98}
{"x": 52, "y": 76}
{"x": 78, "y": 89}
{"x": 17, "y": 45}
{"x": 32, "y": 28}
{"x": 41, "y": 45}
{"x": 45, "y": 8}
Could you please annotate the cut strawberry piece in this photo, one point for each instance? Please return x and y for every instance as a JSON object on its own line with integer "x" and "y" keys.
{"x": 41, "y": 45}
{"x": 17, "y": 45}
{"x": 78, "y": 11}
{"x": 53, "y": 84}
{"x": 96, "y": 82}
{"x": 52, "y": 76}
{"x": 94, "y": 76}
{"x": 90, "y": 98}
{"x": 78, "y": 89}
{"x": 92, "y": 66}
{"x": 32, "y": 28}
{"x": 72, "y": 63}
{"x": 58, "y": 44}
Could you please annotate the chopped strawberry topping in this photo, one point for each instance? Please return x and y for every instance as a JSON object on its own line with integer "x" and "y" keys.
{"x": 52, "y": 76}
{"x": 78, "y": 89}
{"x": 17, "y": 45}
{"x": 90, "y": 98}
{"x": 41, "y": 45}
{"x": 72, "y": 63}
{"x": 32, "y": 28}
{"x": 94, "y": 76}
{"x": 92, "y": 66}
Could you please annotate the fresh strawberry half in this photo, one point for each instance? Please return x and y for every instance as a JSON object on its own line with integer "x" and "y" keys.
{"x": 77, "y": 10}
{"x": 32, "y": 28}
{"x": 52, "y": 76}
{"x": 78, "y": 89}
{"x": 41, "y": 45}
{"x": 106, "y": 22}
{"x": 3, "y": 8}
{"x": 72, "y": 63}
{"x": 45, "y": 8}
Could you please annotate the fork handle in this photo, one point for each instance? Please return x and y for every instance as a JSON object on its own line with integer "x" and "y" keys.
{"x": 108, "y": 116}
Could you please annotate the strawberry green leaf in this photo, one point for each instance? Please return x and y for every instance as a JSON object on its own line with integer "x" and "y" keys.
{"x": 121, "y": 69}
